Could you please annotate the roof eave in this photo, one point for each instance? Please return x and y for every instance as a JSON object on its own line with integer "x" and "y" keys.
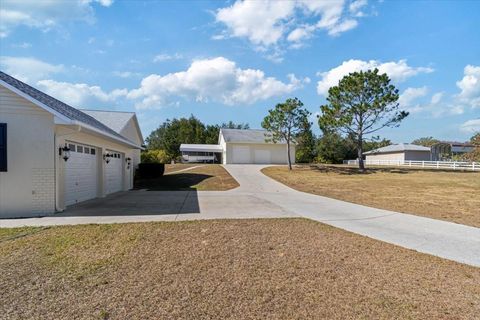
{"x": 105, "y": 134}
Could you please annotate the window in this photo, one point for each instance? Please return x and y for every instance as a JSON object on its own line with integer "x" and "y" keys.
{"x": 80, "y": 149}
{"x": 3, "y": 147}
{"x": 71, "y": 147}
{"x": 92, "y": 151}
{"x": 87, "y": 150}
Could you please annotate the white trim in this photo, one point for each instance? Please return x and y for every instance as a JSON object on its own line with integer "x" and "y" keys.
{"x": 36, "y": 102}
{"x": 111, "y": 136}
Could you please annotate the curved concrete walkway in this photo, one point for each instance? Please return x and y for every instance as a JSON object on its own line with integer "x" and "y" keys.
{"x": 262, "y": 197}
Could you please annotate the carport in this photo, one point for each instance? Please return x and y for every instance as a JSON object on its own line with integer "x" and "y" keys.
{"x": 206, "y": 153}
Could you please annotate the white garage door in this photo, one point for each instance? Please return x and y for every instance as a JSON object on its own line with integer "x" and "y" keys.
{"x": 263, "y": 156}
{"x": 114, "y": 172}
{"x": 80, "y": 174}
{"x": 241, "y": 154}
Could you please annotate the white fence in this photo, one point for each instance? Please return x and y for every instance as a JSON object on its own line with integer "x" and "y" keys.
{"x": 453, "y": 165}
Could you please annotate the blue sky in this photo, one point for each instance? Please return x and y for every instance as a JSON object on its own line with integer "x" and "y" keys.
{"x": 235, "y": 60}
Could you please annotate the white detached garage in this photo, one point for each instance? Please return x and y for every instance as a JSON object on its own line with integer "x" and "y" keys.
{"x": 53, "y": 155}
{"x": 244, "y": 146}
{"x": 241, "y": 146}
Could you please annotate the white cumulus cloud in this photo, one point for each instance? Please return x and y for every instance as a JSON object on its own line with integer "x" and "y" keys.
{"x": 436, "y": 98}
{"x": 470, "y": 86}
{"x": 470, "y": 126}
{"x": 79, "y": 94}
{"x": 166, "y": 57}
{"x": 398, "y": 71}
{"x": 271, "y": 24}
{"x": 409, "y": 95}
{"x": 43, "y": 14}
{"x": 29, "y": 69}
{"x": 217, "y": 79}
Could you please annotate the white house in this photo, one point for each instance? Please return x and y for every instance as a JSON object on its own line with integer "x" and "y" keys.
{"x": 240, "y": 146}
{"x": 53, "y": 155}
{"x": 399, "y": 152}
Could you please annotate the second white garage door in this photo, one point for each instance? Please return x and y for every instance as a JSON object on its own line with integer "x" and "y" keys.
{"x": 114, "y": 172}
{"x": 80, "y": 174}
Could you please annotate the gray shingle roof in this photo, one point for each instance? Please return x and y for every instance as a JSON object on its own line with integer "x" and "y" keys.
{"x": 115, "y": 120}
{"x": 398, "y": 148}
{"x": 59, "y": 106}
{"x": 247, "y": 136}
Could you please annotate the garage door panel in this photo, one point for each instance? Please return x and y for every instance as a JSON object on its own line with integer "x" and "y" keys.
{"x": 80, "y": 175}
{"x": 241, "y": 154}
{"x": 262, "y": 156}
{"x": 114, "y": 172}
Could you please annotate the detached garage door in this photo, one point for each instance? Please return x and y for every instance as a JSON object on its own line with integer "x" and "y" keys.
{"x": 263, "y": 156}
{"x": 114, "y": 172}
{"x": 80, "y": 174}
{"x": 240, "y": 154}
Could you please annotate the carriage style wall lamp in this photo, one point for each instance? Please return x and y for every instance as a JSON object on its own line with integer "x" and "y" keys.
{"x": 64, "y": 152}
{"x": 107, "y": 157}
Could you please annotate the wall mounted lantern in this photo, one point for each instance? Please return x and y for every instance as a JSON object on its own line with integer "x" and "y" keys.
{"x": 64, "y": 152}
{"x": 107, "y": 157}
{"x": 129, "y": 162}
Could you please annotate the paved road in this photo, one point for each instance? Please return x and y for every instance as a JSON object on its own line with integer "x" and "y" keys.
{"x": 261, "y": 197}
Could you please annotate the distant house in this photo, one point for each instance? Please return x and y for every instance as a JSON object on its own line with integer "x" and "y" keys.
{"x": 447, "y": 150}
{"x": 401, "y": 151}
{"x": 240, "y": 146}
{"x": 53, "y": 155}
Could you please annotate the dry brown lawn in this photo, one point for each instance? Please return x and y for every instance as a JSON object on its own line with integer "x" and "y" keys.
{"x": 169, "y": 168}
{"x": 237, "y": 269}
{"x": 207, "y": 177}
{"x": 446, "y": 195}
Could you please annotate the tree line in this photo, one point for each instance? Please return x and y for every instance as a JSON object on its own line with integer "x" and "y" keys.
{"x": 361, "y": 104}
{"x": 163, "y": 144}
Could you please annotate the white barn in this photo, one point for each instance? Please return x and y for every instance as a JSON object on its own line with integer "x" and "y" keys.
{"x": 240, "y": 146}
{"x": 53, "y": 155}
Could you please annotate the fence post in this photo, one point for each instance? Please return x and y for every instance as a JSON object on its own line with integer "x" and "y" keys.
{"x": 423, "y": 164}
{"x": 454, "y": 165}
{"x": 437, "y": 164}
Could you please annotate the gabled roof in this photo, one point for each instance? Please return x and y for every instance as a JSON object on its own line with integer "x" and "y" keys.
{"x": 115, "y": 120}
{"x": 57, "y": 107}
{"x": 246, "y": 136}
{"x": 398, "y": 148}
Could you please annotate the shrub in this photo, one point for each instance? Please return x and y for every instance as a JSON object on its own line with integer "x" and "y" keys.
{"x": 155, "y": 156}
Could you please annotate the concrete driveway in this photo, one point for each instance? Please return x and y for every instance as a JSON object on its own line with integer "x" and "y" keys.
{"x": 261, "y": 197}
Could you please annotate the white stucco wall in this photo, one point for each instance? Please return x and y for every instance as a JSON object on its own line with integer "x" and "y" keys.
{"x": 404, "y": 155}
{"x": 28, "y": 187}
{"x": 223, "y": 144}
{"x": 386, "y": 156}
{"x": 130, "y": 132}
{"x": 278, "y": 152}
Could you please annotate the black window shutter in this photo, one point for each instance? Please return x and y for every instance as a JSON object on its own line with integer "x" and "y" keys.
{"x": 3, "y": 147}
